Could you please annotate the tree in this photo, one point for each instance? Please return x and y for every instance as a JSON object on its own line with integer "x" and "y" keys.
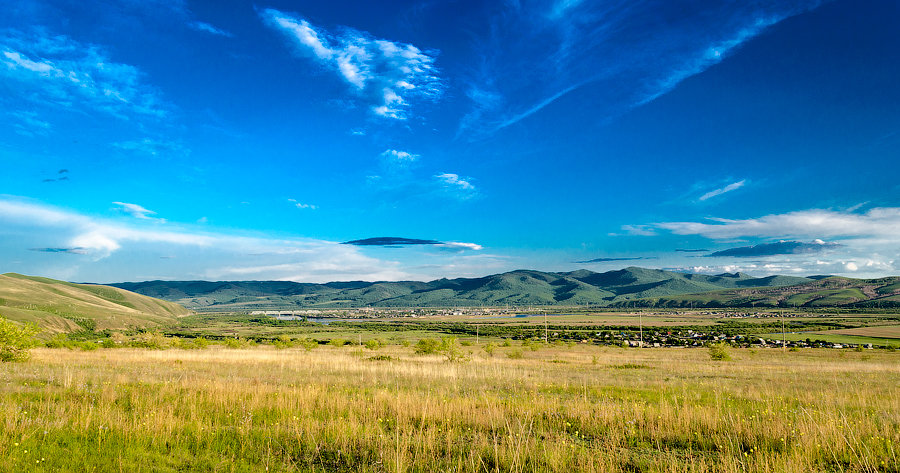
{"x": 15, "y": 340}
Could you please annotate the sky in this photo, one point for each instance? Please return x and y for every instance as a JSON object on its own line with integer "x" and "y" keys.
{"x": 395, "y": 140}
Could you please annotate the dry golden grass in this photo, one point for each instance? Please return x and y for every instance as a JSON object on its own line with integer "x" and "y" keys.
{"x": 558, "y": 409}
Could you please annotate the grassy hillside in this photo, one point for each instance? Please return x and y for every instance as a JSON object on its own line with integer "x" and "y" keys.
{"x": 825, "y": 292}
{"x": 522, "y": 287}
{"x": 59, "y": 306}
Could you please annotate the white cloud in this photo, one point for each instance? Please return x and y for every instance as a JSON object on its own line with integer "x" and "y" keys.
{"x": 203, "y": 254}
{"x": 208, "y": 28}
{"x": 301, "y": 205}
{"x": 135, "y": 210}
{"x": 453, "y": 180}
{"x": 386, "y": 73}
{"x": 640, "y": 230}
{"x": 153, "y": 147}
{"x": 398, "y": 155}
{"x": 458, "y": 245}
{"x": 728, "y": 188}
{"x": 816, "y": 223}
{"x": 57, "y": 70}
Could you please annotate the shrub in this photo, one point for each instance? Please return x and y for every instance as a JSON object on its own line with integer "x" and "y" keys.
{"x": 718, "y": 352}
{"x": 506, "y": 342}
{"x": 515, "y": 355}
{"x": 427, "y": 346}
{"x": 489, "y": 349}
{"x": 198, "y": 343}
{"x": 373, "y": 344}
{"x": 338, "y": 342}
{"x": 15, "y": 340}
{"x": 236, "y": 342}
{"x": 283, "y": 341}
{"x": 60, "y": 340}
{"x": 152, "y": 340}
{"x": 307, "y": 343}
{"x": 451, "y": 350}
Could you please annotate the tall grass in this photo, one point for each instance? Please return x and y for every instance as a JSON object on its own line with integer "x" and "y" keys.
{"x": 290, "y": 409}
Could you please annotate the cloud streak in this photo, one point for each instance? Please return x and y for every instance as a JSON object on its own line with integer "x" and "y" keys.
{"x": 387, "y": 74}
{"x": 59, "y": 71}
{"x": 717, "y": 192}
{"x": 208, "y": 28}
{"x": 881, "y": 222}
{"x": 534, "y": 54}
{"x": 777, "y": 248}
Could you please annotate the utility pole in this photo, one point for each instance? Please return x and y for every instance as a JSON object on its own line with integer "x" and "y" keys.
{"x": 641, "y": 326}
{"x": 783, "y": 343}
{"x": 546, "y": 337}
{"x": 476, "y": 334}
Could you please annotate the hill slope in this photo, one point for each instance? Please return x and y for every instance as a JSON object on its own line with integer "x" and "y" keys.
{"x": 59, "y": 306}
{"x": 831, "y": 291}
{"x": 521, "y": 287}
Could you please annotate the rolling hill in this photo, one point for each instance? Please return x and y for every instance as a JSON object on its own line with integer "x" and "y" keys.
{"x": 59, "y": 306}
{"x": 521, "y": 287}
{"x": 831, "y": 291}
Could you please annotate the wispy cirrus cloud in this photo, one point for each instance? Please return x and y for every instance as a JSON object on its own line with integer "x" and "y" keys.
{"x": 55, "y": 70}
{"x": 135, "y": 210}
{"x": 387, "y": 74}
{"x": 722, "y": 190}
{"x": 462, "y": 188}
{"x": 619, "y": 53}
{"x": 153, "y": 147}
{"x": 208, "y": 28}
{"x": 400, "y": 156}
{"x": 302, "y": 205}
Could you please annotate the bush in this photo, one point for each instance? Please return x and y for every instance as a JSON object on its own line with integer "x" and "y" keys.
{"x": 373, "y": 344}
{"x": 451, "y": 350}
{"x": 515, "y": 355}
{"x": 283, "y": 341}
{"x": 338, "y": 342}
{"x": 60, "y": 340}
{"x": 152, "y": 340}
{"x": 489, "y": 349}
{"x": 198, "y": 343}
{"x": 236, "y": 342}
{"x": 427, "y": 346}
{"x": 307, "y": 343}
{"x": 15, "y": 341}
{"x": 718, "y": 352}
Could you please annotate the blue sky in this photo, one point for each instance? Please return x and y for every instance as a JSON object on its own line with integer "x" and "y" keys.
{"x": 168, "y": 139}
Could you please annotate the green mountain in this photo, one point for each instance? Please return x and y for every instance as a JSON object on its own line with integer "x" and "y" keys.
{"x": 830, "y": 291}
{"x": 521, "y": 287}
{"x": 59, "y": 306}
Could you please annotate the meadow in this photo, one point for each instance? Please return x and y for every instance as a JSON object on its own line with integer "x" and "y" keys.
{"x": 531, "y": 408}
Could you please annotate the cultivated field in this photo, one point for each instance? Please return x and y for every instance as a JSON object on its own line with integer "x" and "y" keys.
{"x": 559, "y": 408}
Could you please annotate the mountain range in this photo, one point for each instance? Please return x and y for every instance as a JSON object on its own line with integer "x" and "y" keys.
{"x": 521, "y": 287}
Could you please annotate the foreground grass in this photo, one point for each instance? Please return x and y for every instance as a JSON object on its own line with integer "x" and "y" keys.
{"x": 558, "y": 409}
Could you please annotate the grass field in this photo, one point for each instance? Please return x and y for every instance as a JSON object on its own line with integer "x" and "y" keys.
{"x": 579, "y": 408}
{"x": 833, "y": 336}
